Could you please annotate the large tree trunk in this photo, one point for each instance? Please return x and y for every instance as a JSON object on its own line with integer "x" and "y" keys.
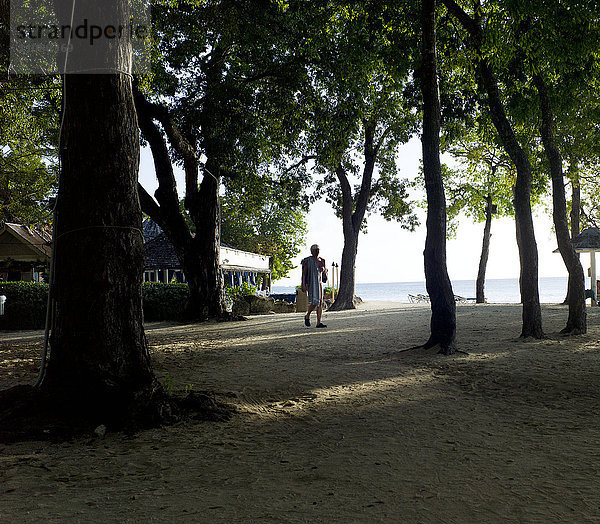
{"x": 439, "y": 287}
{"x": 206, "y": 280}
{"x": 528, "y": 256}
{"x": 99, "y": 351}
{"x": 353, "y": 213}
{"x": 577, "y": 321}
{"x": 575, "y": 217}
{"x": 345, "y": 296}
{"x": 485, "y": 251}
{"x": 199, "y": 253}
{"x": 575, "y": 205}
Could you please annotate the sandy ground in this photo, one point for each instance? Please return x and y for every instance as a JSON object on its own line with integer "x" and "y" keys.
{"x": 338, "y": 425}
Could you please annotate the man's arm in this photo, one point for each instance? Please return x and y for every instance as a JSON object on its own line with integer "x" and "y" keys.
{"x": 304, "y": 277}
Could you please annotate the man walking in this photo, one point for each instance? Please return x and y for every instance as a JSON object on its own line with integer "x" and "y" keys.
{"x": 313, "y": 271}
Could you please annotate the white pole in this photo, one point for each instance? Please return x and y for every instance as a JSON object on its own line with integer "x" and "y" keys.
{"x": 333, "y": 281}
{"x": 593, "y": 275}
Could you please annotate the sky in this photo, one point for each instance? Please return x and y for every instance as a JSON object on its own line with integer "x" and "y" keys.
{"x": 388, "y": 253}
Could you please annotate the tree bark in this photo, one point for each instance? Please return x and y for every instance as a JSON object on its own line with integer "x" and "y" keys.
{"x": 575, "y": 218}
{"x": 353, "y": 213}
{"x": 439, "y": 287}
{"x": 575, "y": 206}
{"x": 207, "y": 298}
{"x": 199, "y": 252}
{"x": 99, "y": 351}
{"x": 577, "y": 321}
{"x": 345, "y": 297}
{"x": 528, "y": 256}
{"x": 485, "y": 251}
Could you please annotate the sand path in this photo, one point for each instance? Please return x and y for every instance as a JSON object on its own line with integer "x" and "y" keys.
{"x": 338, "y": 425}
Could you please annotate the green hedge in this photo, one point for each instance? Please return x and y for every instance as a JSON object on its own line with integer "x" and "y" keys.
{"x": 25, "y": 306}
{"x": 164, "y": 301}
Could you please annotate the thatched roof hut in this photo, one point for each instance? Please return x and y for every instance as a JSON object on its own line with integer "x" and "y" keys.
{"x": 587, "y": 240}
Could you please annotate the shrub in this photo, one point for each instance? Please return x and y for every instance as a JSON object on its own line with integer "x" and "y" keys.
{"x": 25, "y": 306}
{"x": 164, "y": 301}
{"x": 244, "y": 290}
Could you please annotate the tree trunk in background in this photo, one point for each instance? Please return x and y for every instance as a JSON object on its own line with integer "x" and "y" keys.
{"x": 439, "y": 287}
{"x": 353, "y": 213}
{"x": 528, "y": 256}
{"x": 345, "y": 296}
{"x": 577, "y": 321}
{"x": 485, "y": 251}
{"x": 99, "y": 350}
{"x": 575, "y": 218}
{"x": 207, "y": 299}
{"x": 199, "y": 253}
{"x": 575, "y": 206}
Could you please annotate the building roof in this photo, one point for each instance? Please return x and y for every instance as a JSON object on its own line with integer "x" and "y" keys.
{"x": 587, "y": 240}
{"x": 150, "y": 229}
{"x": 24, "y": 244}
{"x": 160, "y": 253}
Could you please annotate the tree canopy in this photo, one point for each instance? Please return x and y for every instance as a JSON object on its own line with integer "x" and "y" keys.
{"x": 28, "y": 149}
{"x": 259, "y": 219}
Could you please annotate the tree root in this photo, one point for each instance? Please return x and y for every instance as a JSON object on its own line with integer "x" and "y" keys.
{"x": 27, "y": 413}
{"x": 341, "y": 307}
{"x": 572, "y": 331}
{"x": 442, "y": 350}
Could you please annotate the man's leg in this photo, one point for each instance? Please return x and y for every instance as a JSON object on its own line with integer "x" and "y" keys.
{"x": 311, "y": 308}
{"x": 319, "y": 313}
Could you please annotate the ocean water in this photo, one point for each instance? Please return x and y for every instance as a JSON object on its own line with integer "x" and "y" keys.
{"x": 501, "y": 291}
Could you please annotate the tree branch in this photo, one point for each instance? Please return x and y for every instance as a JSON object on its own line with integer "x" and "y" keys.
{"x": 347, "y": 199}
{"x": 367, "y": 178}
{"x": 465, "y": 20}
{"x": 304, "y": 160}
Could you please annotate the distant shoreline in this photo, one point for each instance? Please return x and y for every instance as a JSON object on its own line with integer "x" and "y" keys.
{"x": 497, "y": 291}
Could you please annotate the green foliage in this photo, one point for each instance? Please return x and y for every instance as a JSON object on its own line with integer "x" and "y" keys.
{"x": 168, "y": 384}
{"x": 359, "y": 93}
{"x": 164, "y": 301}
{"x": 484, "y": 172}
{"x": 231, "y": 80}
{"x": 587, "y": 176}
{"x": 560, "y": 42}
{"x": 28, "y": 145}
{"x": 261, "y": 218}
{"x": 240, "y": 291}
{"x": 25, "y": 306}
